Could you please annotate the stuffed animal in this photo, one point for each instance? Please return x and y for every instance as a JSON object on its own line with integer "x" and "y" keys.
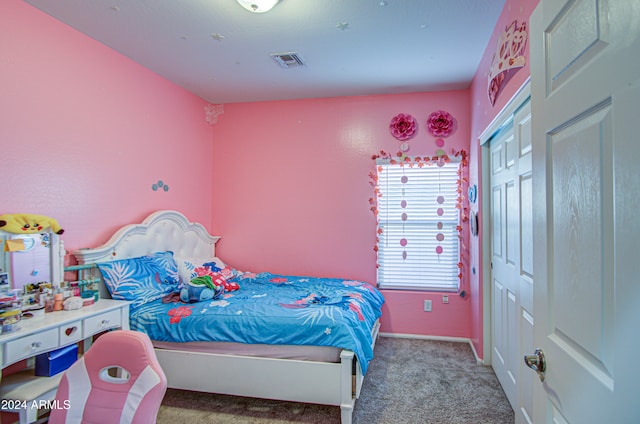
{"x": 27, "y": 223}
{"x": 200, "y": 289}
{"x": 220, "y": 276}
{"x": 212, "y": 266}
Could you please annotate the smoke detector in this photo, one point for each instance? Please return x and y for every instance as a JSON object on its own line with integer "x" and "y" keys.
{"x": 287, "y": 60}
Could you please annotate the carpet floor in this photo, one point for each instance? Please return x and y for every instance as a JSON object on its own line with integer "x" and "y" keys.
{"x": 409, "y": 382}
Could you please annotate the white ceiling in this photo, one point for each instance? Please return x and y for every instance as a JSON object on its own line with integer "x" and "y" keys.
{"x": 220, "y": 51}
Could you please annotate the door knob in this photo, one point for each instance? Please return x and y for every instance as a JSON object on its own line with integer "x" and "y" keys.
{"x": 537, "y": 363}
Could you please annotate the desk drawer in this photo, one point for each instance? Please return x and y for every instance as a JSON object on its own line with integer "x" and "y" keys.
{"x": 101, "y": 322}
{"x": 70, "y": 333}
{"x": 30, "y": 345}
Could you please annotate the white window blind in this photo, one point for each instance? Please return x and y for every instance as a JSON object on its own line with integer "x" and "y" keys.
{"x": 418, "y": 249}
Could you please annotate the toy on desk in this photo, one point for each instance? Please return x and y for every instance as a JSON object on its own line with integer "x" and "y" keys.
{"x": 27, "y": 223}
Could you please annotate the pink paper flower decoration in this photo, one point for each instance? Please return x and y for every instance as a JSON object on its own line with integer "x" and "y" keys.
{"x": 440, "y": 123}
{"x": 403, "y": 126}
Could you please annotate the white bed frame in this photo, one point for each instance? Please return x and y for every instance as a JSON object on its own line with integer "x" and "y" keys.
{"x": 324, "y": 383}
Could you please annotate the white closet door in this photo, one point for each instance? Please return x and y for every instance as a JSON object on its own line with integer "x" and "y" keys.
{"x": 512, "y": 258}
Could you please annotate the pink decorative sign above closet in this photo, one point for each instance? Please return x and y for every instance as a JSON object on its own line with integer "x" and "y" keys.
{"x": 509, "y": 55}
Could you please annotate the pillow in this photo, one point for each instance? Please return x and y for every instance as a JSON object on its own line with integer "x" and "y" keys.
{"x": 187, "y": 266}
{"x": 141, "y": 280}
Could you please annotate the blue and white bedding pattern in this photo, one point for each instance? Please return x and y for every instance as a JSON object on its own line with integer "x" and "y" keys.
{"x": 141, "y": 280}
{"x": 272, "y": 309}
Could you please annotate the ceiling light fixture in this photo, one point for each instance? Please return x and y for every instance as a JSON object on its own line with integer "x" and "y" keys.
{"x": 258, "y": 6}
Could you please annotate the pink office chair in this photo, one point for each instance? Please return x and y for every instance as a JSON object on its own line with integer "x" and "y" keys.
{"x": 90, "y": 393}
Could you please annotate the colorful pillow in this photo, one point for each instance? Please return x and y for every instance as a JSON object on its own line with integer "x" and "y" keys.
{"x": 141, "y": 280}
{"x": 187, "y": 267}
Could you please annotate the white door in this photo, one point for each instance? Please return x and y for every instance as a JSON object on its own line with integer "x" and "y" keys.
{"x": 512, "y": 258}
{"x": 504, "y": 289}
{"x": 585, "y": 93}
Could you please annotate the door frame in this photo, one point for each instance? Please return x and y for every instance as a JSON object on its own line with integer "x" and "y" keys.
{"x": 490, "y": 131}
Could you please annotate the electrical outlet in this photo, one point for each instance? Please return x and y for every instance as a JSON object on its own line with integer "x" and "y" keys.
{"x": 427, "y": 306}
{"x": 445, "y": 299}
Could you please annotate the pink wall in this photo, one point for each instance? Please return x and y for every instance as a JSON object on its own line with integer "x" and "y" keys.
{"x": 291, "y": 190}
{"x": 85, "y": 132}
{"x": 482, "y": 115}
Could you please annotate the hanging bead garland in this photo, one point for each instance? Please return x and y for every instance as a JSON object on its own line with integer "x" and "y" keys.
{"x": 440, "y": 124}
{"x": 403, "y": 204}
{"x": 440, "y": 237}
{"x": 440, "y": 199}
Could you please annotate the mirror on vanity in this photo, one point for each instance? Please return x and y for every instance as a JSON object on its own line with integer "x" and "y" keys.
{"x": 29, "y": 259}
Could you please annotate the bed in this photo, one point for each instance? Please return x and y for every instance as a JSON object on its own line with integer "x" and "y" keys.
{"x": 291, "y": 338}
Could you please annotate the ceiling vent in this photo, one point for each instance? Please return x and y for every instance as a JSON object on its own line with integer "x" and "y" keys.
{"x": 287, "y": 60}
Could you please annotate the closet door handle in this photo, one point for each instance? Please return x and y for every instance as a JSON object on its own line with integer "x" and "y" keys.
{"x": 537, "y": 363}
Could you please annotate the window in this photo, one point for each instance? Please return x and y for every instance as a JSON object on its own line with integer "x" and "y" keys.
{"x": 418, "y": 221}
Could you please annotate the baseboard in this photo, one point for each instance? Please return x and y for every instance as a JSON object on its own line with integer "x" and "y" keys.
{"x": 475, "y": 353}
{"x": 440, "y": 338}
{"x": 423, "y": 337}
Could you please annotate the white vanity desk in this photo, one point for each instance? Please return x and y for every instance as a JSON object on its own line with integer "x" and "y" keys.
{"x": 44, "y": 334}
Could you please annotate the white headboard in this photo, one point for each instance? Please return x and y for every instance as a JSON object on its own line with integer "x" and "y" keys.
{"x": 159, "y": 232}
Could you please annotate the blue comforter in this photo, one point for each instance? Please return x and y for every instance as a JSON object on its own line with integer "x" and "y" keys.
{"x": 272, "y": 309}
